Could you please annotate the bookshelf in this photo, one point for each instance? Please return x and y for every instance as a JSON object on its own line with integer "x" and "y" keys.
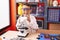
{"x": 38, "y": 8}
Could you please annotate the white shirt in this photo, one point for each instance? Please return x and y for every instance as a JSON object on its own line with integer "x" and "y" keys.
{"x": 31, "y": 25}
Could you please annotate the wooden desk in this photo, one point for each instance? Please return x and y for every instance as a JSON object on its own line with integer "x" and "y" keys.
{"x": 13, "y": 34}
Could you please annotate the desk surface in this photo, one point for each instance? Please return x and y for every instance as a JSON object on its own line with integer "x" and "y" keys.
{"x": 13, "y": 34}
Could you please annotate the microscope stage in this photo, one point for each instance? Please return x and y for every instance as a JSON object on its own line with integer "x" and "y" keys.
{"x": 22, "y": 34}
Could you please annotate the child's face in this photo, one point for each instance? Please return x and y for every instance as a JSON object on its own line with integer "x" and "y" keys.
{"x": 26, "y": 10}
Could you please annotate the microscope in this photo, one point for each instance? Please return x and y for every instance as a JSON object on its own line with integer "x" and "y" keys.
{"x": 23, "y": 29}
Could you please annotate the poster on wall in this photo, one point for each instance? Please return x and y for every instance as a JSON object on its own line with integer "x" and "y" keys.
{"x": 53, "y": 15}
{"x": 41, "y": 9}
{"x": 4, "y": 14}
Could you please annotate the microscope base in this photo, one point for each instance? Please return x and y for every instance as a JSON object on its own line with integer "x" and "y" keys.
{"x": 23, "y": 34}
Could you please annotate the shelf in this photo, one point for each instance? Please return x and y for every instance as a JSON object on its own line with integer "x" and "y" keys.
{"x": 40, "y": 16}
{"x": 17, "y": 1}
{"x": 32, "y": 3}
{"x": 28, "y": 2}
{"x": 37, "y": 16}
{"x": 53, "y": 22}
{"x": 54, "y": 7}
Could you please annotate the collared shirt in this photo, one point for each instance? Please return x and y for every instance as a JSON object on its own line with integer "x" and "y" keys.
{"x": 32, "y": 26}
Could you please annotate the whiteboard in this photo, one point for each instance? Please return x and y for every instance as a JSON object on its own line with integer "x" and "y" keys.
{"x": 4, "y": 14}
